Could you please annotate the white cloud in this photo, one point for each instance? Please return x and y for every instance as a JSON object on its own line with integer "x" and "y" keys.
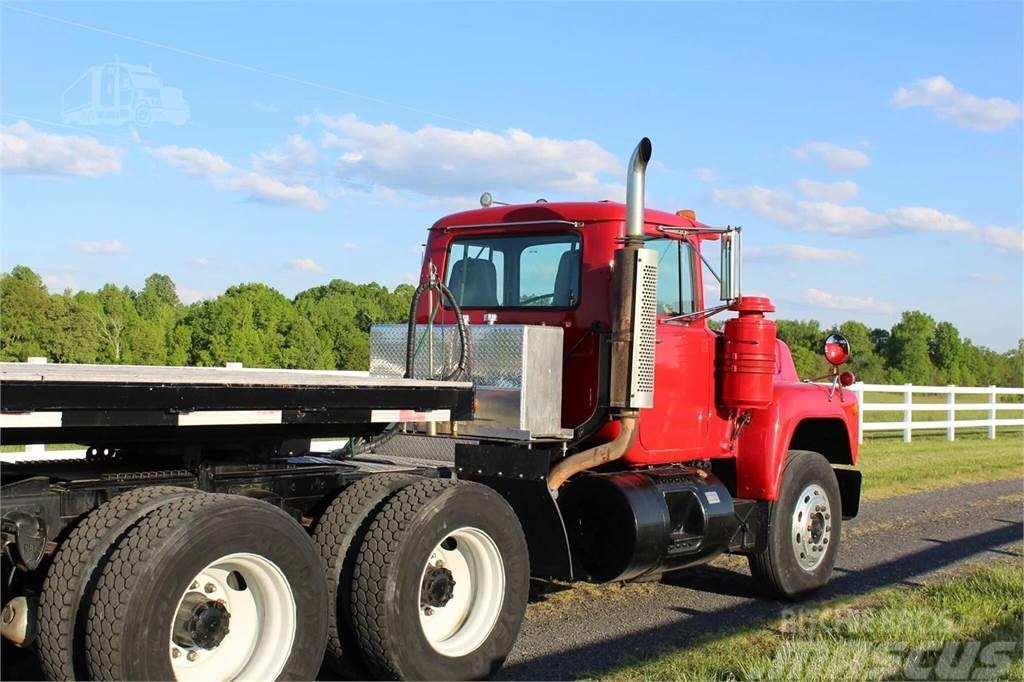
{"x": 446, "y": 162}
{"x": 706, "y": 174}
{"x": 202, "y": 163}
{"x": 268, "y": 190}
{"x": 990, "y": 277}
{"x": 800, "y": 252}
{"x": 844, "y": 190}
{"x": 189, "y": 296}
{"x": 836, "y": 159}
{"x": 303, "y": 120}
{"x": 60, "y": 283}
{"x": 26, "y": 150}
{"x": 815, "y": 216}
{"x": 199, "y": 163}
{"x": 817, "y": 298}
{"x": 1007, "y": 238}
{"x": 350, "y": 246}
{"x": 942, "y": 98}
{"x": 929, "y": 219}
{"x": 108, "y": 246}
{"x": 199, "y": 260}
{"x": 285, "y": 162}
{"x": 823, "y": 216}
{"x": 305, "y": 265}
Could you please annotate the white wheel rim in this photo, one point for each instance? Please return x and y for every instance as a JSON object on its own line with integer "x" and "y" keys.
{"x": 260, "y": 627}
{"x": 811, "y": 530}
{"x": 465, "y": 620}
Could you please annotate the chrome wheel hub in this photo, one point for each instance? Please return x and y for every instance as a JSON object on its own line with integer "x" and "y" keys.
{"x": 811, "y": 529}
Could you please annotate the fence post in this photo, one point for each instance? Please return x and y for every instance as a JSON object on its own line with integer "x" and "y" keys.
{"x": 858, "y": 391}
{"x": 991, "y": 411}
{"x": 908, "y": 411}
{"x": 951, "y": 413}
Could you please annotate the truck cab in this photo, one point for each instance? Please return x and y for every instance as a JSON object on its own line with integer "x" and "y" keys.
{"x": 552, "y": 264}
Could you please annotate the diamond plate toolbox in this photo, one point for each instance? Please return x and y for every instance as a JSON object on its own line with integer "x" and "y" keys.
{"x": 517, "y": 371}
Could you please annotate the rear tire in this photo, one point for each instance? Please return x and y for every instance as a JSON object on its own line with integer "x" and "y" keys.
{"x": 71, "y": 578}
{"x": 804, "y": 529}
{"x": 339, "y": 535}
{"x": 209, "y": 587}
{"x": 440, "y": 584}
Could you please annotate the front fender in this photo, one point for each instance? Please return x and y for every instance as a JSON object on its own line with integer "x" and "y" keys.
{"x": 825, "y": 425}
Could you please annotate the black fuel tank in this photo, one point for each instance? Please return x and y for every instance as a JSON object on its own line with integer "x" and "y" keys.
{"x": 628, "y": 524}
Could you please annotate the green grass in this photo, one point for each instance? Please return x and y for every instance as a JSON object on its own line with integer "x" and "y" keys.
{"x": 892, "y": 467}
{"x": 873, "y": 636}
{"x": 49, "y": 447}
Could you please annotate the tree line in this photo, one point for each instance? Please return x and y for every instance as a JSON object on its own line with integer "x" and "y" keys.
{"x": 327, "y": 327}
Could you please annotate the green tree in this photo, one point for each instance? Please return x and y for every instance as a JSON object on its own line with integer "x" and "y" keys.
{"x": 257, "y": 326}
{"x": 946, "y": 351}
{"x": 24, "y": 302}
{"x": 908, "y": 347}
{"x": 865, "y": 363}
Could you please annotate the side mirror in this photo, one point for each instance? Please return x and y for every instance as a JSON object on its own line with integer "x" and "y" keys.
{"x": 837, "y": 349}
{"x": 731, "y": 276}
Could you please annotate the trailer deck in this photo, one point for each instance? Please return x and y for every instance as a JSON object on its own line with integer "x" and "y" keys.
{"x": 128, "y": 403}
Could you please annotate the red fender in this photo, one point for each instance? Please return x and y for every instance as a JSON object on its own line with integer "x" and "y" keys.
{"x": 825, "y": 425}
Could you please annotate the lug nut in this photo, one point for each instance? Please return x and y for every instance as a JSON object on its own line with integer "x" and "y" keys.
{"x": 194, "y": 585}
{"x": 828, "y": 529}
{"x": 175, "y": 653}
{"x": 192, "y": 656}
{"x": 209, "y": 587}
{"x": 427, "y": 611}
{"x": 828, "y": 516}
{"x": 825, "y": 541}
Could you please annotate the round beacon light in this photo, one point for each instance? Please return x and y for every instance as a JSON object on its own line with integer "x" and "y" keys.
{"x": 847, "y": 378}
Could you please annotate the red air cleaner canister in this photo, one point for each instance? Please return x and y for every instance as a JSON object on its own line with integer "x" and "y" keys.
{"x": 747, "y": 362}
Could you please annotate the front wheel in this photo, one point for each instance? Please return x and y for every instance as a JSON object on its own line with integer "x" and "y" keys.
{"x": 440, "y": 584}
{"x": 804, "y": 529}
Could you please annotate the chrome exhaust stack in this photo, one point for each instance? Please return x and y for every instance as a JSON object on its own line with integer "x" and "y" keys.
{"x": 633, "y": 329}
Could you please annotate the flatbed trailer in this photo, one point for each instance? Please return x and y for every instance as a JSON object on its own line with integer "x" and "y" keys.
{"x": 128, "y": 405}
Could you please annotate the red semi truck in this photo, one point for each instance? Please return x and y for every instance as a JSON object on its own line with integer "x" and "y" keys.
{"x": 556, "y": 408}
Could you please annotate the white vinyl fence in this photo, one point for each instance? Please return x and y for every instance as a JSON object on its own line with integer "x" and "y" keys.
{"x": 991, "y": 406}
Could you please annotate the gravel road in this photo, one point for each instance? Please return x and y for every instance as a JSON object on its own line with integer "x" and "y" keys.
{"x": 895, "y": 541}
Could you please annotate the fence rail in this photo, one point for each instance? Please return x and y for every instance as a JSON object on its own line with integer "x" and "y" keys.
{"x": 992, "y": 407}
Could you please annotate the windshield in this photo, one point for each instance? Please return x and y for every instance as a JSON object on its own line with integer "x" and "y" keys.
{"x": 541, "y": 270}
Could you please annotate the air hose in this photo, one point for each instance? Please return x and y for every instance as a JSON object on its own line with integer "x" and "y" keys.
{"x": 412, "y": 348}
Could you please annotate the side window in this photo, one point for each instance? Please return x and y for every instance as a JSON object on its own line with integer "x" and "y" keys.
{"x": 668, "y": 275}
{"x": 675, "y": 277}
{"x": 549, "y": 274}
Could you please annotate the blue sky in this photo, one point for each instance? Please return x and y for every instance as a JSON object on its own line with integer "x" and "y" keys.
{"x": 872, "y": 152}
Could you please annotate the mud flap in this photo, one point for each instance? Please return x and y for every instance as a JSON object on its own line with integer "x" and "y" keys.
{"x": 849, "y": 491}
{"x": 520, "y": 476}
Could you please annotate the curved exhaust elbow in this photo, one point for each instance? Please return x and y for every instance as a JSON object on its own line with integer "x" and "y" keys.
{"x": 635, "y": 189}
{"x": 596, "y": 456}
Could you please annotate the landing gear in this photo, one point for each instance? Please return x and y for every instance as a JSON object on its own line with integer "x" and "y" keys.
{"x": 804, "y": 529}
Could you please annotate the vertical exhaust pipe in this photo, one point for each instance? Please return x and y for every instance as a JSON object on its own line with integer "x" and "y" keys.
{"x": 632, "y": 346}
{"x": 635, "y": 192}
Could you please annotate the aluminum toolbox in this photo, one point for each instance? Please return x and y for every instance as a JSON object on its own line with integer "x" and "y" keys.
{"x": 517, "y": 370}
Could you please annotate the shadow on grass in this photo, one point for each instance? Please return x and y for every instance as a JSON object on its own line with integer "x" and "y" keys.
{"x": 609, "y": 653}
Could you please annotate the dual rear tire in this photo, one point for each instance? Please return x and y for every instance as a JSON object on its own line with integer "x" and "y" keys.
{"x": 438, "y": 585}
{"x": 169, "y": 583}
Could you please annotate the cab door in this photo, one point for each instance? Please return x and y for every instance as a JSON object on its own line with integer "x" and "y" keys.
{"x": 676, "y": 427}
